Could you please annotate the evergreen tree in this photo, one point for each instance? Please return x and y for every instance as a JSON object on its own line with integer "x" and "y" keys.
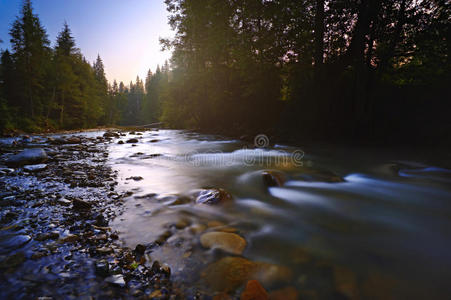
{"x": 31, "y": 55}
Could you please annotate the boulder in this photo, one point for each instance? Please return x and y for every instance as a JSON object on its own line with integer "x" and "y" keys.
{"x": 27, "y": 157}
{"x": 229, "y": 242}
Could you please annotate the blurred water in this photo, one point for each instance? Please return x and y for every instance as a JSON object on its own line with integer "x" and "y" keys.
{"x": 389, "y": 215}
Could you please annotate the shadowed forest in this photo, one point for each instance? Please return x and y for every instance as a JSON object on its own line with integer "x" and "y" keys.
{"x": 321, "y": 70}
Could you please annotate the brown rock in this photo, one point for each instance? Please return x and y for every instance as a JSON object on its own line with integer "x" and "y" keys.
{"x": 229, "y": 242}
{"x": 254, "y": 291}
{"x": 230, "y": 272}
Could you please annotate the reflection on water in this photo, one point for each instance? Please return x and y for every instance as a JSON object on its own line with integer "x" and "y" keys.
{"x": 367, "y": 227}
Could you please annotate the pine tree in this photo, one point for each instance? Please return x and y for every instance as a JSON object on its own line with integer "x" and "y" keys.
{"x": 31, "y": 54}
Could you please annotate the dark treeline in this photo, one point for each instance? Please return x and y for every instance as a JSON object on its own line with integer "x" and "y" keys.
{"x": 45, "y": 88}
{"x": 345, "y": 69}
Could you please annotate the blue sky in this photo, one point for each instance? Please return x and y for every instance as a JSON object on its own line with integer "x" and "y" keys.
{"x": 124, "y": 33}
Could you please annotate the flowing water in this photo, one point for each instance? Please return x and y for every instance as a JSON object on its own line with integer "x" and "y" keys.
{"x": 370, "y": 223}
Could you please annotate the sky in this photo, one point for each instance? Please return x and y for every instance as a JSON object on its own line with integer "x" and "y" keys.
{"x": 125, "y": 33}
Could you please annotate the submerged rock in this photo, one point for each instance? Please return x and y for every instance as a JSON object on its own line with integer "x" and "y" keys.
{"x": 35, "y": 168}
{"x": 229, "y": 273}
{"x": 27, "y": 156}
{"x": 133, "y": 140}
{"x": 254, "y": 291}
{"x": 213, "y": 196}
{"x": 229, "y": 242}
{"x": 273, "y": 178}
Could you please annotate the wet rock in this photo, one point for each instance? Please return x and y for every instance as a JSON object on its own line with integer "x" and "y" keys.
{"x": 104, "y": 250}
{"x": 116, "y": 280}
{"x": 163, "y": 237}
{"x": 35, "y": 168}
{"x": 73, "y": 140}
{"x": 121, "y": 142}
{"x": 229, "y": 273}
{"x": 213, "y": 196}
{"x": 254, "y": 291}
{"x": 101, "y": 221}
{"x": 71, "y": 238}
{"x": 182, "y": 223}
{"x": 64, "y": 201}
{"x": 154, "y": 141}
{"x": 140, "y": 249}
{"x": 80, "y": 204}
{"x": 110, "y": 134}
{"x": 197, "y": 228}
{"x": 273, "y": 178}
{"x": 228, "y": 242}
{"x": 135, "y": 178}
{"x": 27, "y": 156}
{"x": 132, "y": 141}
{"x": 54, "y": 235}
{"x": 102, "y": 268}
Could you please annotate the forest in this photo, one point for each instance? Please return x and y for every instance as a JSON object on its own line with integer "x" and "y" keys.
{"x": 332, "y": 70}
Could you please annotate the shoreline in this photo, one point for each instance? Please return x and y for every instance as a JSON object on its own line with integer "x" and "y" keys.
{"x": 55, "y": 233}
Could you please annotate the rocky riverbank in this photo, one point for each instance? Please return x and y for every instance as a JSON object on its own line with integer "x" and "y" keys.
{"x": 57, "y": 198}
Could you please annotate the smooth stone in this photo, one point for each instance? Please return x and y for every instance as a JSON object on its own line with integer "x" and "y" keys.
{"x": 27, "y": 156}
{"x": 133, "y": 140}
{"x": 254, "y": 291}
{"x": 229, "y": 242}
{"x": 116, "y": 280}
{"x": 73, "y": 140}
{"x": 35, "y": 168}
{"x": 135, "y": 178}
{"x": 213, "y": 196}
{"x": 230, "y": 272}
{"x": 110, "y": 134}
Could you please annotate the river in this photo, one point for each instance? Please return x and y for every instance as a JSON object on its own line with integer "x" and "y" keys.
{"x": 370, "y": 223}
